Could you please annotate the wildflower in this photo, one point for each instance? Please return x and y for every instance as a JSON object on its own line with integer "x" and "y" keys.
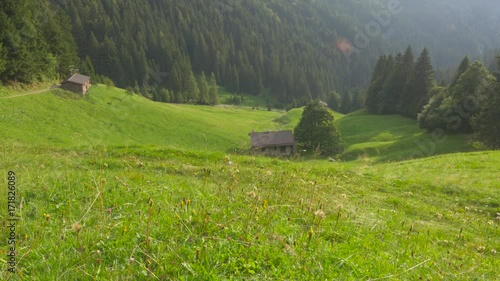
{"x": 269, "y": 173}
{"x": 493, "y": 251}
{"x": 46, "y": 216}
{"x": 320, "y": 213}
{"x": 264, "y": 204}
{"x": 344, "y": 196}
{"x": 25, "y": 236}
{"x": 480, "y": 248}
{"x": 467, "y": 208}
{"x": 131, "y": 260}
{"x": 439, "y": 216}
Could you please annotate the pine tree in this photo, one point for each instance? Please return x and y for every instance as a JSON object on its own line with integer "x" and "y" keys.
{"x": 379, "y": 76}
{"x": 390, "y": 93}
{"x": 192, "y": 89}
{"x": 346, "y": 103}
{"x": 464, "y": 65}
{"x": 359, "y": 99}
{"x": 213, "y": 96}
{"x": 87, "y": 68}
{"x": 334, "y": 101}
{"x": 420, "y": 83}
{"x": 203, "y": 86}
{"x": 3, "y": 59}
{"x": 393, "y": 88}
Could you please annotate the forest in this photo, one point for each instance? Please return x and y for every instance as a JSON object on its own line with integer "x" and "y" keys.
{"x": 290, "y": 51}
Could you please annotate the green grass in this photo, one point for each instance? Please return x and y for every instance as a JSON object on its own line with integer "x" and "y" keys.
{"x": 116, "y": 187}
{"x": 110, "y": 117}
{"x": 383, "y": 138}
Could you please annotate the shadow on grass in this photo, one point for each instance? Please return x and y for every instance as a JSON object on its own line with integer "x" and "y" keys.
{"x": 393, "y": 138}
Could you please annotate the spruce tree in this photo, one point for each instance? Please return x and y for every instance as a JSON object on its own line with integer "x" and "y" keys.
{"x": 346, "y": 104}
{"x": 203, "y": 86}
{"x": 393, "y": 89}
{"x": 192, "y": 89}
{"x": 213, "y": 96}
{"x": 418, "y": 87}
{"x": 379, "y": 76}
{"x": 3, "y": 59}
{"x": 334, "y": 101}
{"x": 464, "y": 65}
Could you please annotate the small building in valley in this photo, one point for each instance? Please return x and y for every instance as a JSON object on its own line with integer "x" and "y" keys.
{"x": 77, "y": 83}
{"x": 275, "y": 143}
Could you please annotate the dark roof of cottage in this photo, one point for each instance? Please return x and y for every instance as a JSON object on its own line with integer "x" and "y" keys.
{"x": 267, "y": 139}
{"x": 78, "y": 79}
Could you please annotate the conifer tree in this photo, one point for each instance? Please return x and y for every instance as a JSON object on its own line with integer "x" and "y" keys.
{"x": 213, "y": 96}
{"x": 464, "y": 65}
{"x": 192, "y": 89}
{"x": 416, "y": 92}
{"x": 393, "y": 88}
{"x": 346, "y": 103}
{"x": 203, "y": 86}
{"x": 334, "y": 101}
{"x": 379, "y": 76}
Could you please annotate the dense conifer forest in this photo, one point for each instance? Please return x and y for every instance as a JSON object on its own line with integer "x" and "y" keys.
{"x": 291, "y": 51}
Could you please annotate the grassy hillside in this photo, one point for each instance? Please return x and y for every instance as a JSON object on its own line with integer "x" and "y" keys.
{"x": 393, "y": 138}
{"x": 153, "y": 213}
{"x": 110, "y": 117}
{"x": 116, "y": 187}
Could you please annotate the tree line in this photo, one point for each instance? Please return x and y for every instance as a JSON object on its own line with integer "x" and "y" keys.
{"x": 36, "y": 43}
{"x": 470, "y": 104}
{"x": 282, "y": 49}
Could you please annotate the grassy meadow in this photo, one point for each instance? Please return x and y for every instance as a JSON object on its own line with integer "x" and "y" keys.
{"x": 115, "y": 187}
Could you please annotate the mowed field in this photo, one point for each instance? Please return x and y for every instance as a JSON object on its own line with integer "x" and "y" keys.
{"x": 115, "y": 187}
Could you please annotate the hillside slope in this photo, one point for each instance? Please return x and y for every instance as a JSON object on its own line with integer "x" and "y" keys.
{"x": 111, "y": 117}
{"x": 393, "y": 138}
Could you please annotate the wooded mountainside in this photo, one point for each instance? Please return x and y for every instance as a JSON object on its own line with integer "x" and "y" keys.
{"x": 288, "y": 49}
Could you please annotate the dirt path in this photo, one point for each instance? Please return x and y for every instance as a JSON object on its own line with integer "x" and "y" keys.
{"x": 31, "y": 93}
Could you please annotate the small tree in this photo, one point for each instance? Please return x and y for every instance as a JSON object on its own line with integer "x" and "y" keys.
{"x": 317, "y": 130}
